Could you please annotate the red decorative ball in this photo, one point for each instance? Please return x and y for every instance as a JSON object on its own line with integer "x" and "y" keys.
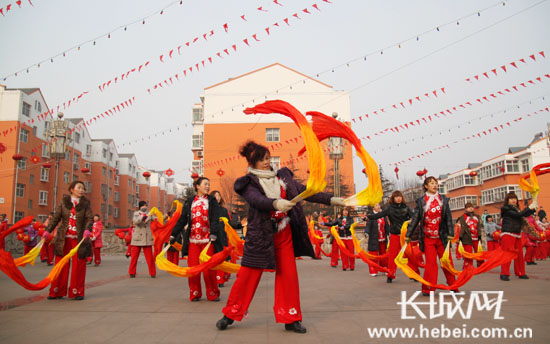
{"x": 496, "y": 235}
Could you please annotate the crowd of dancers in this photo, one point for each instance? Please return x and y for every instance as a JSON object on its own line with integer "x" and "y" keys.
{"x": 276, "y": 233}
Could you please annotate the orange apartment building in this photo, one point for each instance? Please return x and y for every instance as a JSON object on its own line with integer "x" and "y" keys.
{"x": 220, "y": 127}
{"x": 485, "y": 184}
{"x": 114, "y": 182}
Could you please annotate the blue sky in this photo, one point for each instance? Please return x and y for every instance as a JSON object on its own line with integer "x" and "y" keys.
{"x": 319, "y": 42}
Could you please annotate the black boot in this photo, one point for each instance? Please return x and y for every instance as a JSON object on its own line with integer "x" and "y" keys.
{"x": 523, "y": 277}
{"x": 296, "y": 327}
{"x": 389, "y": 280}
{"x": 504, "y": 277}
{"x": 223, "y": 323}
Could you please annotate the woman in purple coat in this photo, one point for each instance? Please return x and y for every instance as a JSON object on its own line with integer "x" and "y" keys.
{"x": 277, "y": 233}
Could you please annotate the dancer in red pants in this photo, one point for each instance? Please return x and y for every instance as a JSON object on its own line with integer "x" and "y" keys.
{"x": 277, "y": 233}
{"x": 510, "y": 239}
{"x": 470, "y": 231}
{"x": 97, "y": 241}
{"x": 201, "y": 214}
{"x": 142, "y": 238}
{"x": 378, "y": 232}
{"x": 343, "y": 222}
{"x": 397, "y": 213}
{"x": 75, "y": 215}
{"x": 433, "y": 215}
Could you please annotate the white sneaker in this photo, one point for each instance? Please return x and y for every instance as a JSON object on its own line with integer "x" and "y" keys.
{"x": 373, "y": 275}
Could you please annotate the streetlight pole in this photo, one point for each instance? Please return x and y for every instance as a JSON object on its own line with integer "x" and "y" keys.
{"x": 58, "y": 134}
{"x": 336, "y": 154}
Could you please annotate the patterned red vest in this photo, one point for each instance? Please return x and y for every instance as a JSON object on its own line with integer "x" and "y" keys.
{"x": 472, "y": 223}
{"x": 200, "y": 227}
{"x": 432, "y": 217}
{"x": 71, "y": 229}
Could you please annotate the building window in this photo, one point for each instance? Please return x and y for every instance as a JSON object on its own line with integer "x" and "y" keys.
{"x": 525, "y": 165}
{"x": 197, "y": 115}
{"x": 110, "y": 156}
{"x": 44, "y": 174}
{"x": 66, "y": 176}
{"x": 117, "y": 196}
{"x": 512, "y": 166}
{"x": 496, "y": 195}
{"x": 75, "y": 177}
{"x": 458, "y": 203}
{"x": 43, "y": 197}
{"x": 103, "y": 171}
{"x": 110, "y": 208}
{"x": 103, "y": 208}
{"x": 272, "y": 134}
{"x": 67, "y": 155}
{"x": 18, "y": 216}
{"x": 110, "y": 174}
{"x": 197, "y": 141}
{"x": 88, "y": 150}
{"x": 31, "y": 179}
{"x": 491, "y": 171}
{"x": 88, "y": 186}
{"x": 117, "y": 180}
{"x": 46, "y": 128}
{"x": 20, "y": 190}
{"x": 77, "y": 137}
{"x": 469, "y": 180}
{"x": 22, "y": 164}
{"x": 45, "y": 151}
{"x": 24, "y": 135}
{"x": 37, "y": 106}
{"x": 34, "y": 131}
{"x": 129, "y": 214}
{"x": 275, "y": 162}
{"x": 115, "y": 215}
{"x": 42, "y": 218}
{"x": 30, "y": 204}
{"x": 26, "y": 109}
{"x": 88, "y": 166}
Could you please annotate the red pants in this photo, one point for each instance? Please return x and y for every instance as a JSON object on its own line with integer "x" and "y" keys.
{"x": 470, "y": 249}
{"x": 547, "y": 249}
{"x": 148, "y": 252}
{"x": 78, "y": 274}
{"x": 128, "y": 250}
{"x": 381, "y": 262}
{"x": 509, "y": 243}
{"x": 458, "y": 256}
{"x": 195, "y": 290}
{"x": 173, "y": 257}
{"x": 318, "y": 251}
{"x": 492, "y": 245}
{"x": 46, "y": 253}
{"x": 433, "y": 249}
{"x": 412, "y": 262}
{"x": 348, "y": 262}
{"x": 334, "y": 253}
{"x": 395, "y": 247}
{"x": 540, "y": 251}
{"x": 96, "y": 254}
{"x": 287, "y": 291}
{"x": 530, "y": 254}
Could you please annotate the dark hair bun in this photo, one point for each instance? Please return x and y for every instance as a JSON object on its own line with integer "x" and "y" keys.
{"x": 248, "y": 148}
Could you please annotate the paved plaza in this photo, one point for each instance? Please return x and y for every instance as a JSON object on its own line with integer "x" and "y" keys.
{"x": 338, "y": 307}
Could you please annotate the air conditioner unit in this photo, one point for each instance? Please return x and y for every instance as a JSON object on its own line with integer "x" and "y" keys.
{"x": 200, "y": 154}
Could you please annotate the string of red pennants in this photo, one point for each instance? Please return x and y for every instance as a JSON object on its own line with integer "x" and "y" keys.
{"x": 481, "y": 134}
{"x": 8, "y": 8}
{"x": 494, "y": 72}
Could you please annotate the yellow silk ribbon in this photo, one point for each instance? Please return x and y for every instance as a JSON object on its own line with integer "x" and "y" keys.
{"x": 531, "y": 187}
{"x": 30, "y": 257}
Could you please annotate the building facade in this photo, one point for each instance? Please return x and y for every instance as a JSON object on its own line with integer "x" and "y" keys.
{"x": 220, "y": 127}
{"x": 114, "y": 182}
{"x": 486, "y": 184}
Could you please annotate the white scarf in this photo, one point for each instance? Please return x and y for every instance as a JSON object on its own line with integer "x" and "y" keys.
{"x": 431, "y": 197}
{"x": 268, "y": 181}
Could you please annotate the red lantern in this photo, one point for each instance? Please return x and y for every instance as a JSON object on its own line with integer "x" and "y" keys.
{"x": 396, "y": 170}
{"x": 220, "y": 172}
{"x": 496, "y": 235}
{"x": 169, "y": 172}
{"x": 17, "y": 157}
{"x": 46, "y": 165}
{"x": 85, "y": 170}
{"x": 194, "y": 175}
{"x": 147, "y": 174}
{"x": 364, "y": 171}
{"x": 420, "y": 173}
{"x": 35, "y": 159}
{"x": 473, "y": 173}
